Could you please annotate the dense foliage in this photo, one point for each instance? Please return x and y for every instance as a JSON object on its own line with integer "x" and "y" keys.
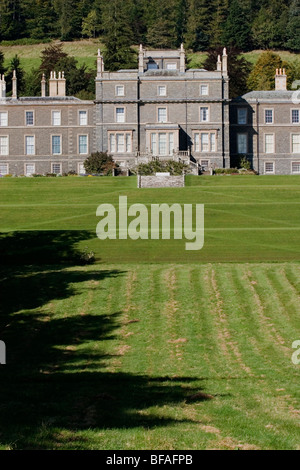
{"x": 201, "y": 24}
{"x": 99, "y": 163}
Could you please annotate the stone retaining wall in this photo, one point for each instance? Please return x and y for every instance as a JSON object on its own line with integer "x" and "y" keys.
{"x": 161, "y": 181}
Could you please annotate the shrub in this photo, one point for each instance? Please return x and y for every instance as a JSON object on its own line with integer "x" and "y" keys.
{"x": 99, "y": 162}
{"x": 88, "y": 256}
{"x": 226, "y": 171}
{"x": 51, "y": 175}
{"x": 245, "y": 163}
{"x": 156, "y": 166}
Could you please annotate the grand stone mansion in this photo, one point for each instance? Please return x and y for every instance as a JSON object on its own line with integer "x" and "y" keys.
{"x": 160, "y": 110}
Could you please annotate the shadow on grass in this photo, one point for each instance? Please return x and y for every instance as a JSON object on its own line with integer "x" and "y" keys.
{"x": 59, "y": 374}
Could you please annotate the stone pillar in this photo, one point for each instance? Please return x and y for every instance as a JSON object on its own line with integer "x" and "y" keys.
{"x": 141, "y": 59}
{"x": 182, "y": 59}
{"x": 2, "y": 87}
{"x": 100, "y": 65}
{"x": 43, "y": 86}
{"x": 225, "y": 62}
{"x": 219, "y": 64}
{"x": 14, "y": 86}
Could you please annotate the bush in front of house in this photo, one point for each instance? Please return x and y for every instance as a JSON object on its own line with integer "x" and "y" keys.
{"x": 99, "y": 163}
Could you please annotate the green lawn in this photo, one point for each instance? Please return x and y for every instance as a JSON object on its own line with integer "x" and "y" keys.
{"x": 151, "y": 347}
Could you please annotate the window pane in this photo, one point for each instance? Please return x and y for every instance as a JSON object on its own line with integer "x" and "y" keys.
{"x": 171, "y": 143}
{"x": 82, "y": 118}
{"x": 4, "y": 145}
{"x": 3, "y": 119}
{"x": 112, "y": 143}
{"x": 203, "y": 114}
{"x": 296, "y": 167}
{"x": 162, "y": 114}
{"x": 162, "y": 91}
{"x": 3, "y": 169}
{"x": 29, "y": 145}
{"x": 296, "y": 143}
{"x": 83, "y": 147}
{"x": 56, "y": 144}
{"x": 295, "y": 116}
{"x": 242, "y": 116}
{"x": 56, "y": 168}
{"x": 30, "y": 169}
{"x": 120, "y": 90}
{"x": 171, "y": 67}
{"x": 269, "y": 167}
{"x": 204, "y": 164}
{"x": 120, "y": 113}
{"x": 153, "y": 144}
{"x": 204, "y": 142}
{"x": 128, "y": 143}
{"x": 162, "y": 144}
{"x": 204, "y": 90}
{"x": 269, "y": 116}
{"x": 269, "y": 143}
{"x": 242, "y": 143}
{"x": 56, "y": 120}
{"x": 120, "y": 143}
{"x": 212, "y": 142}
{"x": 29, "y": 118}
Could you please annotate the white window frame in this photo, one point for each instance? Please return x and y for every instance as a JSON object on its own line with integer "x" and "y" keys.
{"x": 117, "y": 115}
{"x": 292, "y": 143}
{"x": 33, "y": 117}
{"x": 159, "y": 120}
{"x": 60, "y": 136}
{"x": 297, "y": 122}
{"x": 7, "y": 145}
{"x": 269, "y": 172}
{"x": 6, "y": 172}
{"x": 161, "y": 90}
{"x": 265, "y": 116}
{"x": 197, "y": 140}
{"x": 204, "y": 166}
{"x": 25, "y": 169}
{"x": 120, "y": 87}
{"x": 201, "y": 114}
{"x": 56, "y": 121}
{"x": 239, "y": 120}
{"x": 113, "y": 142}
{"x": 295, "y": 172}
{"x": 265, "y": 144}
{"x": 52, "y": 167}
{"x": 202, "y": 85}
{"x": 87, "y": 144}
{"x": 4, "y": 113}
{"x": 85, "y": 113}
{"x": 26, "y": 145}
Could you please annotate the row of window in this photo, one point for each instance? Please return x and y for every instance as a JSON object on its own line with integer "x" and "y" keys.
{"x": 269, "y": 143}
{"x": 55, "y": 118}
{"x": 161, "y": 90}
{"x": 270, "y": 168}
{"x": 242, "y": 116}
{"x": 162, "y": 114}
{"x": 56, "y": 145}
{"x": 29, "y": 169}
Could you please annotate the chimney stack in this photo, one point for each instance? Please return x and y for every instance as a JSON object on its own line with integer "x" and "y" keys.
{"x": 219, "y": 64}
{"x": 280, "y": 80}
{"x": 61, "y": 84}
{"x": 14, "y": 86}
{"x": 141, "y": 59}
{"x": 100, "y": 65}
{"x": 52, "y": 84}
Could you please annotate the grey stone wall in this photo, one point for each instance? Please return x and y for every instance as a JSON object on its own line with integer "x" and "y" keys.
{"x": 161, "y": 181}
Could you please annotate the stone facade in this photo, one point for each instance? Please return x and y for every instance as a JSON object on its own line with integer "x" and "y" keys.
{"x": 161, "y": 181}
{"x": 265, "y": 127}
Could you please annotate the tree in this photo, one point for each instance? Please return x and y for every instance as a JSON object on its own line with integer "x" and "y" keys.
{"x": 237, "y": 28}
{"x": 15, "y": 64}
{"x": 269, "y": 26}
{"x": 197, "y": 34}
{"x": 98, "y": 163}
{"x": 219, "y": 14}
{"x": 2, "y": 68}
{"x": 89, "y": 24}
{"x": 238, "y": 69}
{"x": 262, "y": 76}
{"x": 293, "y": 27}
{"x": 118, "y": 36}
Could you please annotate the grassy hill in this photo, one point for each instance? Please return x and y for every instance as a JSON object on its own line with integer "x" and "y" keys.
{"x": 85, "y": 51}
{"x": 151, "y": 347}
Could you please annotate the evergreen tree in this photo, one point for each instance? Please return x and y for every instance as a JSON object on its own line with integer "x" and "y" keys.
{"x": 162, "y": 31}
{"x": 293, "y": 27}
{"x": 238, "y": 69}
{"x": 237, "y": 27}
{"x": 217, "y": 24}
{"x": 262, "y": 76}
{"x": 2, "y": 68}
{"x": 198, "y": 32}
{"x": 89, "y": 24}
{"x": 118, "y": 36}
{"x": 15, "y": 64}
